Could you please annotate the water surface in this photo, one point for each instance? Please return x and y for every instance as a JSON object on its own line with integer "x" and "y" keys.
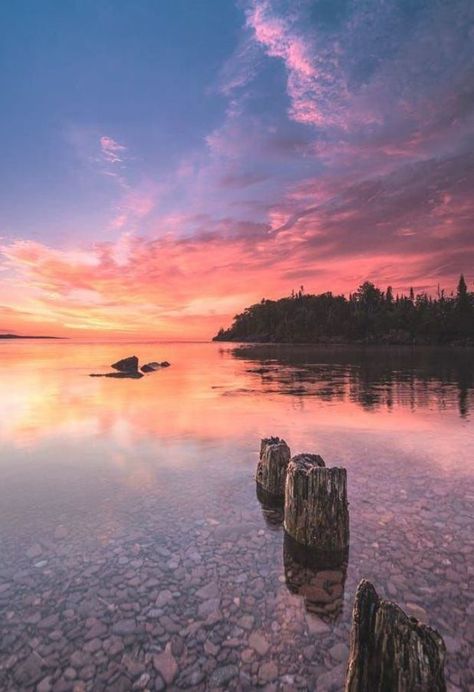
{"x": 134, "y": 550}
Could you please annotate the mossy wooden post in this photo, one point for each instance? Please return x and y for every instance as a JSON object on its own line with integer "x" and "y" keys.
{"x": 271, "y": 470}
{"x": 316, "y": 512}
{"x": 390, "y": 651}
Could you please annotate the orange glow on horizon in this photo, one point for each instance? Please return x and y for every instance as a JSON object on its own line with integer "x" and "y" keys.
{"x": 177, "y": 289}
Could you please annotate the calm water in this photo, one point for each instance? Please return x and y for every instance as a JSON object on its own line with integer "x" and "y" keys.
{"x": 134, "y": 551}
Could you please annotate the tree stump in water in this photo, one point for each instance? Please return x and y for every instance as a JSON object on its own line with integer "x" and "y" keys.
{"x": 271, "y": 470}
{"x": 391, "y": 652}
{"x": 316, "y": 513}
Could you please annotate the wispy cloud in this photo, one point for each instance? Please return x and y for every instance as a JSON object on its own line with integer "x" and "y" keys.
{"x": 315, "y": 82}
{"x": 112, "y": 151}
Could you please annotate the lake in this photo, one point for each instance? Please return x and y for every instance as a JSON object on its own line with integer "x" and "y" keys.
{"x": 134, "y": 552}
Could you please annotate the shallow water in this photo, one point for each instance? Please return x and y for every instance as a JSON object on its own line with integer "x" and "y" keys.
{"x": 134, "y": 549}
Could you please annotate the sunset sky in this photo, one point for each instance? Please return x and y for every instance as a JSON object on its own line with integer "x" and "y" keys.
{"x": 166, "y": 163}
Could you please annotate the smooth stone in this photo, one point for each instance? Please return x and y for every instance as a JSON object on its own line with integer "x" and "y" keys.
{"x": 246, "y": 622}
{"x": 267, "y": 672}
{"x": 316, "y": 625}
{"x": 61, "y": 532}
{"x": 333, "y": 679}
{"x": 208, "y": 591}
{"x": 163, "y": 598}
{"x": 209, "y": 607}
{"x": 223, "y": 675}
{"x": 142, "y": 682}
{"x": 34, "y": 551}
{"x": 124, "y": 627}
{"x": 210, "y": 648}
{"x": 93, "y": 645}
{"x": 165, "y": 664}
{"x": 46, "y": 684}
{"x": 339, "y": 652}
{"x": 258, "y": 642}
{"x": 452, "y": 645}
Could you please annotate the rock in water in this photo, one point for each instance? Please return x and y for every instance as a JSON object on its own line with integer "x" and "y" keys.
{"x": 271, "y": 469}
{"x": 128, "y": 365}
{"x": 316, "y": 511}
{"x": 391, "y": 652}
{"x": 150, "y": 367}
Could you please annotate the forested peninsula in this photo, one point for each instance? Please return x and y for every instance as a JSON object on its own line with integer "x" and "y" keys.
{"x": 369, "y": 316}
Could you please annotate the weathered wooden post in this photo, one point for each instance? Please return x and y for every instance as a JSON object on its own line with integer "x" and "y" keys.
{"x": 390, "y": 651}
{"x": 271, "y": 470}
{"x": 318, "y": 577}
{"x": 316, "y": 511}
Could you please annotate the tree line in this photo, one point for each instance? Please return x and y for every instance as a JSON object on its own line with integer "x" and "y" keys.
{"x": 369, "y": 315}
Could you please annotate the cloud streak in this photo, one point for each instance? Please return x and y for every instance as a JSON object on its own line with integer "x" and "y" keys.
{"x": 112, "y": 151}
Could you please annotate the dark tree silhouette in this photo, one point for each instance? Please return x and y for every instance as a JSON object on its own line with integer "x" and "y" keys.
{"x": 368, "y": 316}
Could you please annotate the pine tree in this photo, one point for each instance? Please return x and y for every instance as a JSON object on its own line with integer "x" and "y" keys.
{"x": 462, "y": 290}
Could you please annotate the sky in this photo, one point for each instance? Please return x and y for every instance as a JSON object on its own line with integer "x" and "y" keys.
{"x": 166, "y": 163}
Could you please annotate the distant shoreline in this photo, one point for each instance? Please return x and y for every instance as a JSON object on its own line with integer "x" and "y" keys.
{"x": 18, "y": 336}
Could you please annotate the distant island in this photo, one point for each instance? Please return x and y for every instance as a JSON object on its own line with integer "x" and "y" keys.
{"x": 18, "y": 336}
{"x": 368, "y": 316}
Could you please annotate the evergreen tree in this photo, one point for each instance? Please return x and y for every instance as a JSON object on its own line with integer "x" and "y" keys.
{"x": 462, "y": 296}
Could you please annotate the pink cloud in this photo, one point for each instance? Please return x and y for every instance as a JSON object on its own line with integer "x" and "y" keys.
{"x": 316, "y": 89}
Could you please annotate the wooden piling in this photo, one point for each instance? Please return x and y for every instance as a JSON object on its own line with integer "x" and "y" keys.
{"x": 271, "y": 469}
{"x": 391, "y": 652}
{"x": 316, "y": 510}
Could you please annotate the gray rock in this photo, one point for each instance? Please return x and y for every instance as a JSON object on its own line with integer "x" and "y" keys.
{"x": 332, "y": 680}
{"x": 452, "y": 645}
{"x": 163, "y": 598}
{"x": 124, "y": 627}
{"x": 211, "y": 590}
{"x": 46, "y": 684}
{"x": 61, "y": 532}
{"x": 28, "y": 671}
{"x": 34, "y": 551}
{"x": 339, "y": 652}
{"x": 223, "y": 675}
{"x": 142, "y": 682}
{"x": 209, "y": 607}
{"x": 129, "y": 364}
{"x": 316, "y": 625}
{"x": 267, "y": 672}
{"x": 258, "y": 642}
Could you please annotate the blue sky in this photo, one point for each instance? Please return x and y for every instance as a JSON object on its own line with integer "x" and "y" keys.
{"x": 290, "y": 142}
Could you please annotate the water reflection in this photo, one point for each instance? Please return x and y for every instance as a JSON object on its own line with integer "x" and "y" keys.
{"x": 373, "y": 378}
{"x": 272, "y": 508}
{"x": 318, "y": 577}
